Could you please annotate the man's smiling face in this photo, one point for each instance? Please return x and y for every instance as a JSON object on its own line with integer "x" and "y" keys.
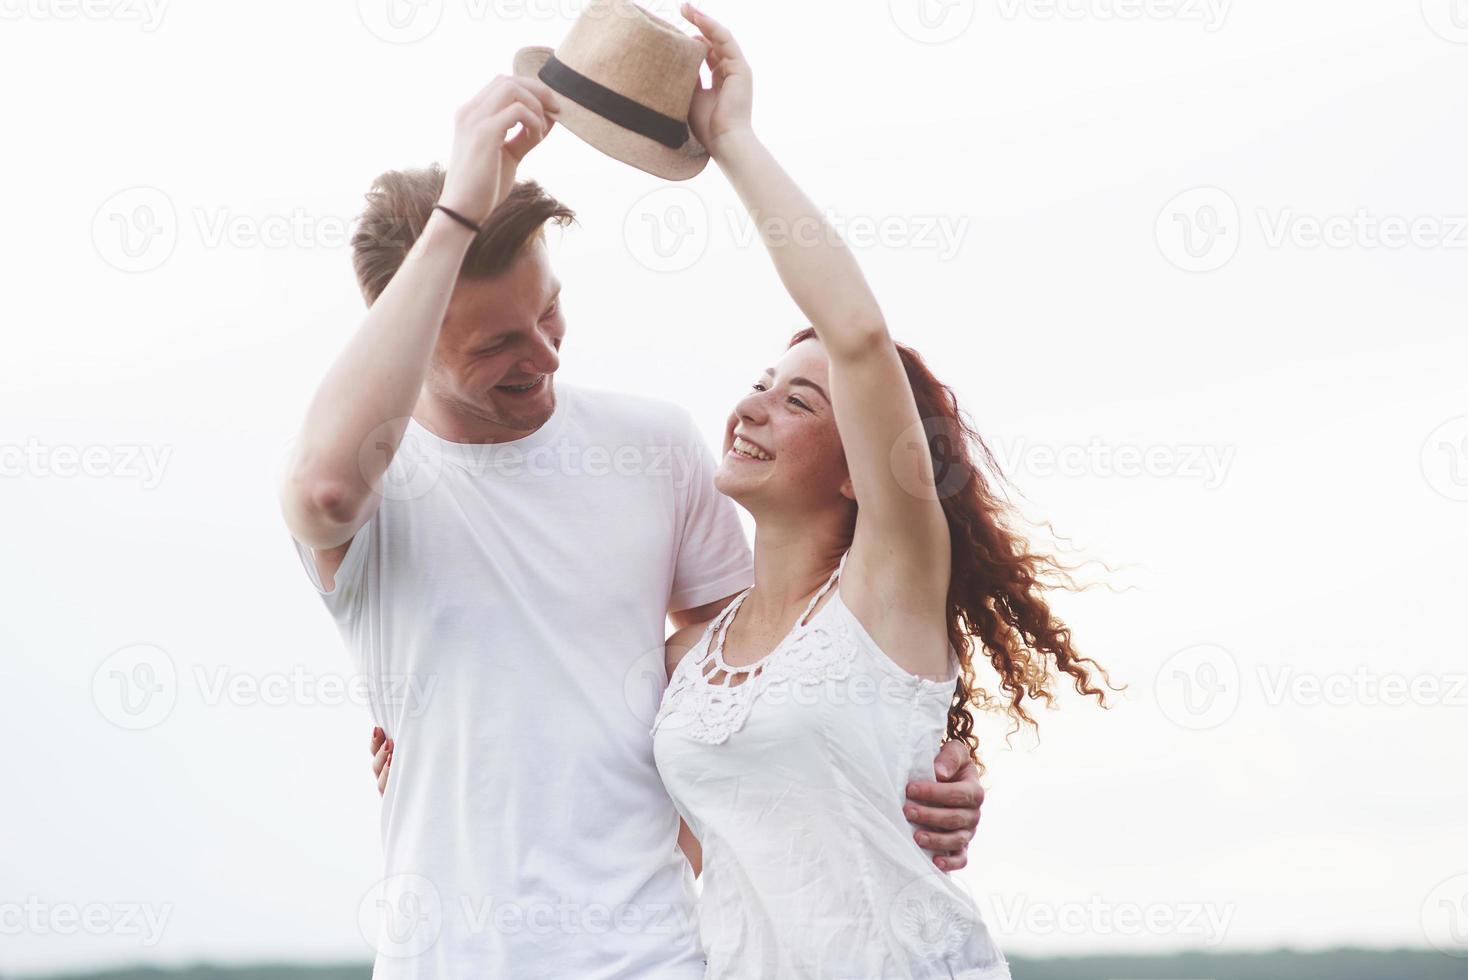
{"x": 497, "y": 352}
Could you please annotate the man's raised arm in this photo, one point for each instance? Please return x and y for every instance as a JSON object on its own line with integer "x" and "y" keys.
{"x": 371, "y": 389}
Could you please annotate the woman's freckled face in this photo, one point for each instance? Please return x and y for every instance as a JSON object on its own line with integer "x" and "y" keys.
{"x": 788, "y": 449}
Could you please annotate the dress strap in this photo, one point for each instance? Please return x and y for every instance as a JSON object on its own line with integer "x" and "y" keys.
{"x": 728, "y": 611}
{"x": 830, "y": 584}
{"x": 719, "y": 628}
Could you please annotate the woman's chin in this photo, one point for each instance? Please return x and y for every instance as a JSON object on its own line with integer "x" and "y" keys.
{"x": 732, "y": 483}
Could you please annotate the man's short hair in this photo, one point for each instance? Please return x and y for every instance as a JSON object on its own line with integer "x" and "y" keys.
{"x": 400, "y": 204}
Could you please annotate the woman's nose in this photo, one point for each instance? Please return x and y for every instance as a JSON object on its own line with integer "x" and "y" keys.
{"x": 751, "y": 407}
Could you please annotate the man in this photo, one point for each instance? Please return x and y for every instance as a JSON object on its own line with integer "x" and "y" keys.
{"x": 511, "y": 553}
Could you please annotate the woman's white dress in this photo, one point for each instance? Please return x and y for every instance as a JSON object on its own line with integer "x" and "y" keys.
{"x": 792, "y": 773}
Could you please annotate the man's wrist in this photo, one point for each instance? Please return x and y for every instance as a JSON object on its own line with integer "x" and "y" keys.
{"x": 443, "y": 231}
{"x": 458, "y": 216}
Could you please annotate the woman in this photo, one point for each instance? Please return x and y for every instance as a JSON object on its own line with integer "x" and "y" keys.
{"x": 792, "y": 721}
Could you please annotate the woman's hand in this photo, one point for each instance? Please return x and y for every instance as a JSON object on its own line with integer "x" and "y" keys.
{"x": 725, "y": 109}
{"x": 382, "y": 747}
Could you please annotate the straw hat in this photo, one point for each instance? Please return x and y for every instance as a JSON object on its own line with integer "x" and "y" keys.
{"x": 626, "y": 79}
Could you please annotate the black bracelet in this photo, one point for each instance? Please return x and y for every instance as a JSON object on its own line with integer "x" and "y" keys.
{"x": 458, "y": 217}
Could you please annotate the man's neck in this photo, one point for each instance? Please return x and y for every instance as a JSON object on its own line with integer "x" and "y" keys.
{"x": 452, "y": 423}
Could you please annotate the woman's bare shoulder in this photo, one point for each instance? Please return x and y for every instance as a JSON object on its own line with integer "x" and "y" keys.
{"x": 682, "y": 641}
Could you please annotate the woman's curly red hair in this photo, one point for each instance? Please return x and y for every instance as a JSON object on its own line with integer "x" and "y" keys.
{"x": 996, "y": 594}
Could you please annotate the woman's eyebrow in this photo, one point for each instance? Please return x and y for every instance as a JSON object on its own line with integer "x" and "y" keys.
{"x": 806, "y": 382}
{"x": 770, "y": 373}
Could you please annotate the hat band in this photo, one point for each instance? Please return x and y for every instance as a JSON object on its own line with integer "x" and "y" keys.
{"x": 613, "y": 106}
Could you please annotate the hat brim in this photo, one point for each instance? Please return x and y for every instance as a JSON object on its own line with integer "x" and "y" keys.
{"x": 621, "y": 144}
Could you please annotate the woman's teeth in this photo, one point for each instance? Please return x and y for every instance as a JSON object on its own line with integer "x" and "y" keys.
{"x": 749, "y": 450}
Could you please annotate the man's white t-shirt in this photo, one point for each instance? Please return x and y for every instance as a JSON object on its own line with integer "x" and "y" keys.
{"x": 506, "y": 609}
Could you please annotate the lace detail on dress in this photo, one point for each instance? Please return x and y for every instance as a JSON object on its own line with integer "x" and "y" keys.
{"x": 708, "y": 700}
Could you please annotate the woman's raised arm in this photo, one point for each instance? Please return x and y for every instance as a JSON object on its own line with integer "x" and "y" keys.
{"x": 899, "y": 523}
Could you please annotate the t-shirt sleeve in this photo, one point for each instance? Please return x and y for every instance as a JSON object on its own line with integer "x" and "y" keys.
{"x": 713, "y": 558}
{"x": 348, "y": 584}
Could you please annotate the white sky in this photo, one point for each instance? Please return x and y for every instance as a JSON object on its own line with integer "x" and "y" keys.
{"x": 1323, "y": 543}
